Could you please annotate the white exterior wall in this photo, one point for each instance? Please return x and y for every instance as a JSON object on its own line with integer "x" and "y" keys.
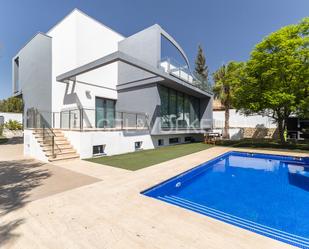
{"x": 64, "y": 49}
{"x": 118, "y": 142}
{"x": 77, "y": 40}
{"x": 32, "y": 148}
{"x": 238, "y": 120}
{"x": 12, "y": 116}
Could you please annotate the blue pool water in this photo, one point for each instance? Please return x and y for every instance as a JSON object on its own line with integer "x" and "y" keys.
{"x": 267, "y": 194}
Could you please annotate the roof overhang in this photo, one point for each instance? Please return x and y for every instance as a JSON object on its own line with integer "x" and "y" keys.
{"x": 118, "y": 56}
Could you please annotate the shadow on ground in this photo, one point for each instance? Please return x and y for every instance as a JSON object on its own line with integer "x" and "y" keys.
{"x": 17, "y": 179}
{"x": 15, "y": 140}
{"x": 7, "y": 231}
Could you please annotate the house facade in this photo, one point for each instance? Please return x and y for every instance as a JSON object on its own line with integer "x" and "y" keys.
{"x": 88, "y": 91}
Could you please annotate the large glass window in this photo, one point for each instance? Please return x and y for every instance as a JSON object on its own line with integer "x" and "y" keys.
{"x": 164, "y": 107}
{"x": 16, "y": 75}
{"x": 105, "y": 113}
{"x": 172, "y": 107}
{"x": 178, "y": 110}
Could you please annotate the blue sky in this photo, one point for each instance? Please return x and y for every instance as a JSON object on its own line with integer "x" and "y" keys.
{"x": 227, "y": 29}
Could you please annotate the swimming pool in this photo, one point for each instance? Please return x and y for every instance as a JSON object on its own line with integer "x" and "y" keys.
{"x": 266, "y": 194}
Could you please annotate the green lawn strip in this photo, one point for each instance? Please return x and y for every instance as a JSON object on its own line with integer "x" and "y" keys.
{"x": 266, "y": 144}
{"x": 145, "y": 158}
{"x": 3, "y": 140}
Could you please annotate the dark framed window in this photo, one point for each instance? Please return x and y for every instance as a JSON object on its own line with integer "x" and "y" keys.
{"x": 188, "y": 139}
{"x": 178, "y": 110}
{"x": 172, "y": 110}
{"x": 98, "y": 150}
{"x": 174, "y": 140}
{"x": 164, "y": 109}
{"x": 16, "y": 75}
{"x": 160, "y": 142}
{"x": 105, "y": 112}
{"x": 138, "y": 145}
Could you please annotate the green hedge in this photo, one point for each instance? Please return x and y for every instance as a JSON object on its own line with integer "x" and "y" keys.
{"x": 13, "y": 125}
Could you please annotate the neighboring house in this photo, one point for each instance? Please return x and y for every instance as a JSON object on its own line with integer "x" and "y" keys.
{"x": 89, "y": 90}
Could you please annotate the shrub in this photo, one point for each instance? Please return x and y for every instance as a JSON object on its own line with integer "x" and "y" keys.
{"x": 13, "y": 125}
{"x": 1, "y": 130}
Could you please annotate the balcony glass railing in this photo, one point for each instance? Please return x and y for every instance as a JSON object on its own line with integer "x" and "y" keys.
{"x": 89, "y": 119}
{"x": 182, "y": 72}
{"x": 174, "y": 68}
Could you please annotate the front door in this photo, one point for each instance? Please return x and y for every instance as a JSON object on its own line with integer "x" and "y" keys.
{"x": 105, "y": 112}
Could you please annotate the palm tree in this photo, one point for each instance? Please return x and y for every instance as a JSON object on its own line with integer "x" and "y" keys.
{"x": 226, "y": 79}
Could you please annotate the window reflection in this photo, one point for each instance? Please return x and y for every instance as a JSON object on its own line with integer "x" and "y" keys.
{"x": 178, "y": 110}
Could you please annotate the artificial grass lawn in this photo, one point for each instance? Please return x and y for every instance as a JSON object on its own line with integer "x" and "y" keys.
{"x": 301, "y": 146}
{"x": 145, "y": 158}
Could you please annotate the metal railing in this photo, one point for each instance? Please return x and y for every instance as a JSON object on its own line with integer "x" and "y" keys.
{"x": 174, "y": 68}
{"x": 39, "y": 121}
{"x": 91, "y": 119}
{"x": 87, "y": 119}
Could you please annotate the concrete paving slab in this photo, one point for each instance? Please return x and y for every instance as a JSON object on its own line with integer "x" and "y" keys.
{"x": 113, "y": 214}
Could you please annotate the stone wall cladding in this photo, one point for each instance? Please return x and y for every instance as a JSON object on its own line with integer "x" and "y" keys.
{"x": 260, "y": 132}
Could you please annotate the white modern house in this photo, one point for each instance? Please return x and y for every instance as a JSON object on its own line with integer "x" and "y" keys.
{"x": 88, "y": 91}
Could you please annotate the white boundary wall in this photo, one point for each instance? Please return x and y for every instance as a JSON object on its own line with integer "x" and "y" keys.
{"x": 12, "y": 116}
{"x": 238, "y": 120}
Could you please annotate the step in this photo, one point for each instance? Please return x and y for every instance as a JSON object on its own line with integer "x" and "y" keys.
{"x": 57, "y": 130}
{"x": 53, "y": 130}
{"x": 40, "y": 139}
{"x": 64, "y": 142}
{"x": 40, "y": 134}
{"x": 61, "y": 152}
{"x": 47, "y": 147}
{"x": 63, "y": 157}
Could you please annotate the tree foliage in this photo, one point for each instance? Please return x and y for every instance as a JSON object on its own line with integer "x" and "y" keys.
{"x": 226, "y": 79}
{"x": 12, "y": 104}
{"x": 277, "y": 76}
{"x": 201, "y": 71}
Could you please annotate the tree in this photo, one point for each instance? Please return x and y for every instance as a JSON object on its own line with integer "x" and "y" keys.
{"x": 226, "y": 80}
{"x": 201, "y": 70}
{"x": 277, "y": 76}
{"x": 12, "y": 104}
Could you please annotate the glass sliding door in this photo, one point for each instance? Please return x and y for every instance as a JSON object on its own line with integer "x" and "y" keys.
{"x": 196, "y": 106}
{"x": 172, "y": 107}
{"x": 110, "y": 113}
{"x": 164, "y": 107}
{"x": 178, "y": 110}
{"x": 194, "y": 112}
{"x": 186, "y": 111}
{"x": 105, "y": 113}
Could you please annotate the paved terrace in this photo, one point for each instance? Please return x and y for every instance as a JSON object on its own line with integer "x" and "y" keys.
{"x": 95, "y": 206}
